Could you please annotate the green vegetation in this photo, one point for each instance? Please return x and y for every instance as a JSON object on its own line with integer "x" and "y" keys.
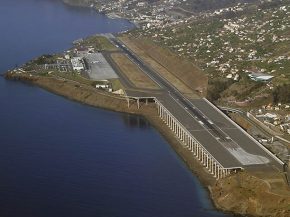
{"x": 216, "y": 87}
{"x": 73, "y": 76}
{"x": 281, "y": 94}
{"x": 99, "y": 43}
{"x": 44, "y": 59}
{"x": 116, "y": 84}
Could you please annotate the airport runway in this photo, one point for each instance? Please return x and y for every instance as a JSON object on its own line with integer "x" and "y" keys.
{"x": 225, "y": 140}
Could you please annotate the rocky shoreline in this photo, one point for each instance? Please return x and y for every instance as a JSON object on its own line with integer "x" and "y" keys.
{"x": 236, "y": 194}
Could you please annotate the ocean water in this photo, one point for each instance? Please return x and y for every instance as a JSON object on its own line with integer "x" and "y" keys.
{"x": 64, "y": 159}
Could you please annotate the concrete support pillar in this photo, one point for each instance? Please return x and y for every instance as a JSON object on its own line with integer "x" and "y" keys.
{"x": 158, "y": 109}
{"x": 166, "y": 117}
{"x": 189, "y": 142}
{"x": 212, "y": 166}
{"x": 183, "y": 136}
{"x": 138, "y": 103}
{"x": 223, "y": 173}
{"x": 192, "y": 145}
{"x": 218, "y": 172}
{"x": 174, "y": 127}
{"x": 128, "y": 101}
{"x": 199, "y": 152}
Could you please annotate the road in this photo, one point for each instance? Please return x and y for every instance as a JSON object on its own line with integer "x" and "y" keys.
{"x": 225, "y": 140}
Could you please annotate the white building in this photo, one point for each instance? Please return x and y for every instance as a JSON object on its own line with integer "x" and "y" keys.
{"x": 260, "y": 76}
{"x": 102, "y": 86}
{"x": 77, "y": 63}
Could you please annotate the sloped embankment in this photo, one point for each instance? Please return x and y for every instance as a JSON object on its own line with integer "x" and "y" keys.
{"x": 182, "y": 73}
{"x": 246, "y": 194}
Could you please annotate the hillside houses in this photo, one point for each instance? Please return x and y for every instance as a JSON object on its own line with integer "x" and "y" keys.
{"x": 221, "y": 44}
{"x": 272, "y": 116}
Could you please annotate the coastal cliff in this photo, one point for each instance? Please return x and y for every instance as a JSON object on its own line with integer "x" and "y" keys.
{"x": 242, "y": 193}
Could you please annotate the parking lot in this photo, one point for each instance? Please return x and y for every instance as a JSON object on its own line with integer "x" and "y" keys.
{"x": 98, "y": 68}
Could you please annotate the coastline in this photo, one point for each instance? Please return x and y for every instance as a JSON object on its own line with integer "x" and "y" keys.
{"x": 227, "y": 199}
{"x": 100, "y": 99}
{"x": 103, "y": 100}
{"x": 86, "y": 4}
{"x": 225, "y": 195}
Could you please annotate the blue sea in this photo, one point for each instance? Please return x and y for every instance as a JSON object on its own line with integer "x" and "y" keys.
{"x": 59, "y": 158}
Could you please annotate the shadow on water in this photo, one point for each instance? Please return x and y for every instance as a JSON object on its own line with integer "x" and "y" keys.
{"x": 134, "y": 121}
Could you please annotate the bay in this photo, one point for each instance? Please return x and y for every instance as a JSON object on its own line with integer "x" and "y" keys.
{"x": 61, "y": 158}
